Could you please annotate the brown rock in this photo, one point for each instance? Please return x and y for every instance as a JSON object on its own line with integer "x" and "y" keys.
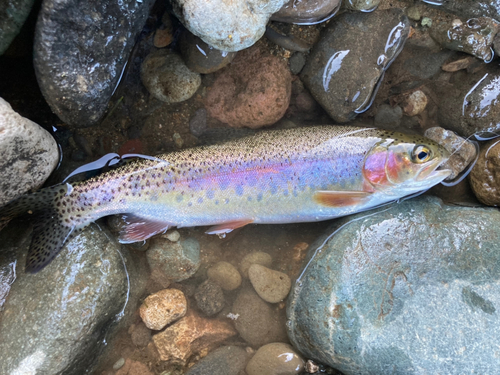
{"x": 463, "y": 151}
{"x": 485, "y": 176}
{"x": 254, "y": 91}
{"x": 162, "y": 308}
{"x": 134, "y": 368}
{"x": 191, "y": 335}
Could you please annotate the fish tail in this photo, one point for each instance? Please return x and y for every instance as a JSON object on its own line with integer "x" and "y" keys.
{"x": 51, "y": 230}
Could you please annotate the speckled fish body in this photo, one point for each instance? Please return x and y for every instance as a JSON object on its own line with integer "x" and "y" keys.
{"x": 285, "y": 176}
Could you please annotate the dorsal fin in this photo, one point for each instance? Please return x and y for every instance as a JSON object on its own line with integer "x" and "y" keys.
{"x": 138, "y": 228}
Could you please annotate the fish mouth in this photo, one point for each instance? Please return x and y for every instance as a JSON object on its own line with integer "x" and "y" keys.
{"x": 432, "y": 173}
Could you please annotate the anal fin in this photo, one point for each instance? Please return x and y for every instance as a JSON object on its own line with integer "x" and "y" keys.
{"x": 222, "y": 229}
{"x": 49, "y": 237}
{"x": 340, "y": 198}
{"x": 139, "y": 229}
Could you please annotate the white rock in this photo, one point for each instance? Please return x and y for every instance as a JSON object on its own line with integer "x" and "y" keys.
{"x": 29, "y": 154}
{"x": 227, "y": 25}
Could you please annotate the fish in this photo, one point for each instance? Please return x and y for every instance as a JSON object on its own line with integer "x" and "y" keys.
{"x": 303, "y": 174}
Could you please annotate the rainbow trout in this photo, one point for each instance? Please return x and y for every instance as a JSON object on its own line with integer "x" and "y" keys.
{"x": 281, "y": 176}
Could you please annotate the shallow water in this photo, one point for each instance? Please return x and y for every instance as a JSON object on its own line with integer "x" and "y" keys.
{"x": 138, "y": 124}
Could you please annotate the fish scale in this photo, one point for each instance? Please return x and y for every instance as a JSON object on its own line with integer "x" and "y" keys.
{"x": 285, "y": 176}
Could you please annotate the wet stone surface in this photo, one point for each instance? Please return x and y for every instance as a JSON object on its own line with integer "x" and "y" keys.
{"x": 415, "y": 269}
{"x": 55, "y": 321}
{"x": 474, "y": 36}
{"x": 12, "y": 16}
{"x": 307, "y": 12}
{"x": 485, "y": 176}
{"x": 202, "y": 58}
{"x": 80, "y": 51}
{"x": 344, "y": 68}
{"x": 227, "y": 360}
{"x": 227, "y": 26}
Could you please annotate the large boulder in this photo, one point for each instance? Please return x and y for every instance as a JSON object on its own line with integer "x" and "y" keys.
{"x": 412, "y": 288}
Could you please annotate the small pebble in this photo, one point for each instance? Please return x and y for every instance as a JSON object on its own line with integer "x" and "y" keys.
{"x": 173, "y": 235}
{"x": 179, "y": 142}
{"x": 415, "y": 103}
{"x": 119, "y": 364}
{"x": 272, "y": 286}
{"x": 275, "y": 358}
{"x": 297, "y": 62}
{"x": 413, "y": 13}
{"x": 258, "y": 257}
{"x": 426, "y": 22}
{"x": 141, "y": 335}
{"x": 198, "y": 123}
{"x": 209, "y": 298}
{"x": 162, "y": 308}
{"x": 163, "y": 37}
{"x": 225, "y": 274}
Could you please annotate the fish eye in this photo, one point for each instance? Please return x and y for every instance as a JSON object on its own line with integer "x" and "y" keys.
{"x": 421, "y": 154}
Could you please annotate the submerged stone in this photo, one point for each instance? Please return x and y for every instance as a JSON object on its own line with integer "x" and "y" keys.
{"x": 413, "y": 286}
{"x": 344, "y": 69}
{"x": 307, "y": 12}
{"x": 12, "y": 17}
{"x": 80, "y": 51}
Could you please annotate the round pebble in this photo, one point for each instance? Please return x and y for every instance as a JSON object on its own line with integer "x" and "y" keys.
{"x": 485, "y": 176}
{"x": 415, "y": 103}
{"x": 272, "y": 286}
{"x": 275, "y": 358}
{"x": 209, "y": 297}
{"x": 167, "y": 78}
{"x": 225, "y": 274}
{"x": 119, "y": 364}
{"x": 258, "y": 257}
{"x": 162, "y": 308}
{"x": 173, "y": 235}
{"x": 141, "y": 335}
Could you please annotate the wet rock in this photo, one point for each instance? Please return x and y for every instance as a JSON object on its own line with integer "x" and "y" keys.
{"x": 172, "y": 235}
{"x": 202, "y": 58}
{"x": 425, "y": 65}
{"x": 191, "y": 335}
{"x": 209, "y": 298}
{"x": 225, "y": 274}
{"x": 80, "y": 51}
{"x": 141, "y": 335}
{"x": 289, "y": 42}
{"x": 485, "y": 176}
{"x": 463, "y": 152}
{"x": 167, "y": 78}
{"x": 164, "y": 34}
{"x": 470, "y": 8}
{"x": 227, "y": 26}
{"x": 56, "y": 321}
{"x": 253, "y": 91}
{"x": 256, "y": 257}
{"x": 134, "y": 368}
{"x": 275, "y": 358}
{"x": 473, "y": 36}
{"x": 227, "y": 360}
{"x": 176, "y": 260}
{"x": 162, "y": 308}
{"x": 12, "y": 17}
{"x": 472, "y": 107}
{"x": 415, "y": 286}
{"x": 362, "y": 5}
{"x": 272, "y": 286}
{"x": 256, "y": 321}
{"x": 388, "y": 117}
{"x": 307, "y": 12}
{"x": 29, "y": 154}
{"x": 119, "y": 364}
{"x": 297, "y": 62}
{"x": 347, "y": 64}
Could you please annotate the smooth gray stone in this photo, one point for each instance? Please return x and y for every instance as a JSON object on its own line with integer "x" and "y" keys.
{"x": 344, "y": 69}
{"x": 413, "y": 288}
{"x": 469, "y": 8}
{"x": 227, "y": 360}
{"x": 80, "y": 50}
{"x": 58, "y": 320}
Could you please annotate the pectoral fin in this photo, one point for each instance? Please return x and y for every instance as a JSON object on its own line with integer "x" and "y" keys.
{"x": 228, "y": 227}
{"x": 137, "y": 228}
{"x": 340, "y": 198}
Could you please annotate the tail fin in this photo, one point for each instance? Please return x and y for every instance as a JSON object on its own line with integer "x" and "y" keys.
{"x": 50, "y": 232}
